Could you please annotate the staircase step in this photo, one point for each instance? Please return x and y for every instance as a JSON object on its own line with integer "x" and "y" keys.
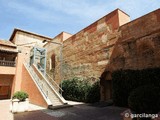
{"x": 57, "y": 103}
{"x": 59, "y": 107}
{"x": 46, "y": 88}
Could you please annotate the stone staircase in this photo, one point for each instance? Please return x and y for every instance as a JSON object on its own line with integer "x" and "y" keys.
{"x": 50, "y": 91}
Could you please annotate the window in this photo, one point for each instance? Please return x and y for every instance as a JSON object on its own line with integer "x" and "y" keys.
{"x": 52, "y": 62}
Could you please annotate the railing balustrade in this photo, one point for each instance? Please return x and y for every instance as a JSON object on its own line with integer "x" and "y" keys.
{"x": 7, "y": 63}
{"x": 51, "y": 81}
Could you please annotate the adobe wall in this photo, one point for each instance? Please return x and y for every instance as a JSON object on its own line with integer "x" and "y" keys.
{"x": 138, "y": 46}
{"x": 87, "y": 53}
{"x": 25, "y": 42}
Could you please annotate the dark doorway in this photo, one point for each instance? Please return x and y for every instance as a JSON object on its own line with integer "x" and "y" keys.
{"x": 107, "y": 90}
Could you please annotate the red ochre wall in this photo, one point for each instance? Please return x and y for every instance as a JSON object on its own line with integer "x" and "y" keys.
{"x": 87, "y": 53}
{"x": 22, "y": 81}
{"x": 138, "y": 46}
{"x": 30, "y": 87}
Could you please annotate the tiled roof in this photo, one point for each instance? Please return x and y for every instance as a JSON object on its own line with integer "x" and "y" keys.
{"x": 7, "y": 46}
{"x": 7, "y": 43}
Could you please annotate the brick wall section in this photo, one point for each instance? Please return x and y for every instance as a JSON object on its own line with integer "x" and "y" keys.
{"x": 138, "y": 46}
{"x": 87, "y": 52}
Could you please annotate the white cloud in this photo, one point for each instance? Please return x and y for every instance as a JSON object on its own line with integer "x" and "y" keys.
{"x": 90, "y": 10}
{"x": 33, "y": 12}
{"x": 79, "y": 11}
{"x": 69, "y": 15}
{"x": 53, "y": 11}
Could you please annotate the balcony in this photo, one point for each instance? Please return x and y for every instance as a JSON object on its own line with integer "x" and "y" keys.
{"x": 7, "y": 63}
{"x": 7, "y": 67}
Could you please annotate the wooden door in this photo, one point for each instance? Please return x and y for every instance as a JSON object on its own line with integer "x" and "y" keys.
{"x": 4, "y": 92}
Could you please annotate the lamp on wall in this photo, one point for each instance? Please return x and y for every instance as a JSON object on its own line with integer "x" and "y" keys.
{"x": 61, "y": 59}
{"x": 52, "y": 42}
{"x": 44, "y": 41}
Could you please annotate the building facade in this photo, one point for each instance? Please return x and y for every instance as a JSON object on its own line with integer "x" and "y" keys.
{"x": 137, "y": 48}
{"x": 8, "y": 58}
{"x": 111, "y": 43}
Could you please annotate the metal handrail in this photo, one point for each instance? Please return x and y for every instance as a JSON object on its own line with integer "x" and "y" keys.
{"x": 31, "y": 72}
{"x": 52, "y": 79}
{"x": 55, "y": 82}
{"x": 40, "y": 86}
{"x": 44, "y": 81}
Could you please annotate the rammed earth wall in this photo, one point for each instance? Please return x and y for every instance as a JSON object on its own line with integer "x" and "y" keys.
{"x": 87, "y": 53}
{"x": 138, "y": 46}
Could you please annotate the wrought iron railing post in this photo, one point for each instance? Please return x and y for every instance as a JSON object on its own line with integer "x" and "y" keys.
{"x": 7, "y": 63}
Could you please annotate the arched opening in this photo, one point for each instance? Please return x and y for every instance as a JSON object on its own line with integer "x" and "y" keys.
{"x": 52, "y": 62}
{"x": 106, "y": 86}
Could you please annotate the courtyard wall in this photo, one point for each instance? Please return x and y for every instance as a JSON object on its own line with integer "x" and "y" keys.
{"x": 87, "y": 53}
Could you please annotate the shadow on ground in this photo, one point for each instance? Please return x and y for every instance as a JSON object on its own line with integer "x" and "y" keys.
{"x": 97, "y": 111}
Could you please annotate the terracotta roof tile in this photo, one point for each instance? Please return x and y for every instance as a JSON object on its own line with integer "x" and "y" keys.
{"x": 7, "y": 43}
{"x": 7, "y": 46}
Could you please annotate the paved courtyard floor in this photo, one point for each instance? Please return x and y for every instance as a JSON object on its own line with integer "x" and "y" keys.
{"x": 77, "y": 112}
{"x": 5, "y": 113}
{"x": 5, "y": 109}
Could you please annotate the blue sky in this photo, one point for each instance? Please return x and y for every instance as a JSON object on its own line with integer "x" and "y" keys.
{"x": 50, "y": 17}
